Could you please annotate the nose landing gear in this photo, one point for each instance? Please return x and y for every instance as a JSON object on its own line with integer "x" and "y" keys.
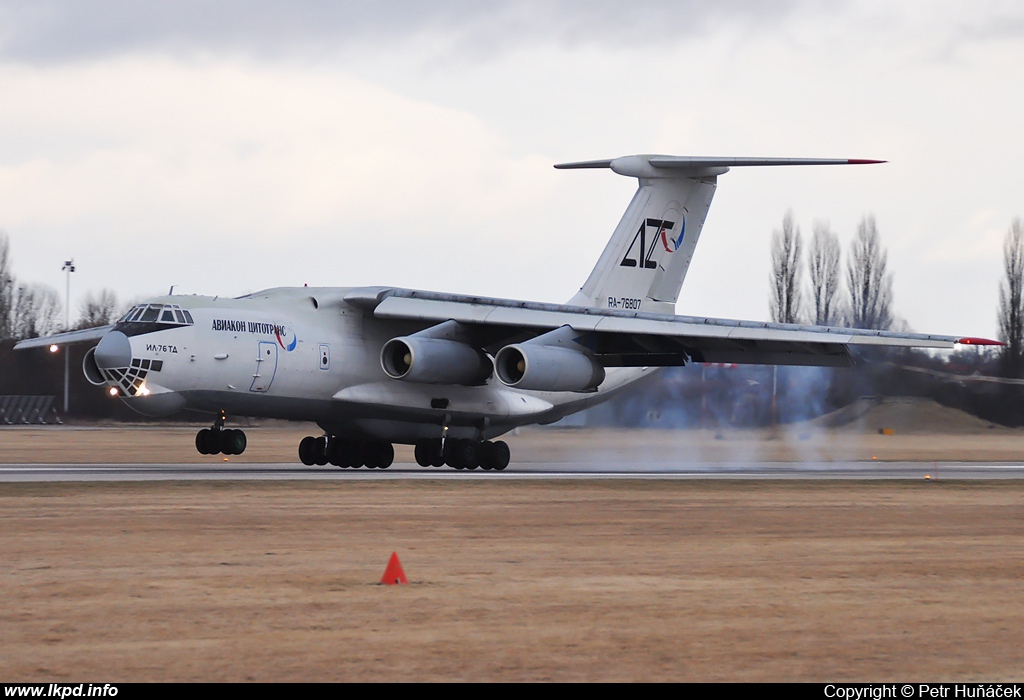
{"x": 218, "y": 439}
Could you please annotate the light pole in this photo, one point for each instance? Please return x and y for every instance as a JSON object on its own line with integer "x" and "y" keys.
{"x": 69, "y": 267}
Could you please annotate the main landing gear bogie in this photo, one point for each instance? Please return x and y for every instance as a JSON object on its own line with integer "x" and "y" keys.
{"x": 347, "y": 454}
{"x": 378, "y": 454}
{"x": 463, "y": 454}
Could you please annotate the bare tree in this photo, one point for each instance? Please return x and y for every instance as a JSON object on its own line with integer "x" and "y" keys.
{"x": 6, "y": 287}
{"x": 824, "y": 272}
{"x": 868, "y": 283}
{"x": 98, "y": 309}
{"x": 35, "y": 310}
{"x": 785, "y": 280}
{"x": 1011, "y": 300}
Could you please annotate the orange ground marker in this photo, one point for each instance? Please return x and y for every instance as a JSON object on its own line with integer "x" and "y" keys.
{"x": 393, "y": 574}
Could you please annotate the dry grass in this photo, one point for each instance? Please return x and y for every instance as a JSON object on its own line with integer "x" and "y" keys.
{"x": 277, "y": 442}
{"x": 567, "y": 580}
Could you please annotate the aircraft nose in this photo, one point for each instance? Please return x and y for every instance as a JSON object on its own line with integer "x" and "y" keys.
{"x": 114, "y": 351}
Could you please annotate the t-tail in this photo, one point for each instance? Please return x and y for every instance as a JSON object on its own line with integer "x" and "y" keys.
{"x": 644, "y": 264}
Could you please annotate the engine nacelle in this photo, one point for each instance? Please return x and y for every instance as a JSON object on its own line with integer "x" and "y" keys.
{"x": 434, "y": 361}
{"x": 547, "y": 368}
{"x": 91, "y": 370}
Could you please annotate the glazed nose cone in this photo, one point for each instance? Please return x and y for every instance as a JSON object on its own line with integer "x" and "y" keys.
{"x": 114, "y": 351}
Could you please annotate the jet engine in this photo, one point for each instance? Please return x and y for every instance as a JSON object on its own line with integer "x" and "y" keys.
{"x": 547, "y": 368}
{"x": 91, "y": 369}
{"x": 434, "y": 361}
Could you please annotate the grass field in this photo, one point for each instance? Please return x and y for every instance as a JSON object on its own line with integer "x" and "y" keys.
{"x": 524, "y": 581}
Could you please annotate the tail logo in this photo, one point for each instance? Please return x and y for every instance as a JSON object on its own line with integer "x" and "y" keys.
{"x": 672, "y": 244}
{"x": 661, "y": 228}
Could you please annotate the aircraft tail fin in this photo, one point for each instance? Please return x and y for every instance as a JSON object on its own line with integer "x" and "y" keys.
{"x": 645, "y": 262}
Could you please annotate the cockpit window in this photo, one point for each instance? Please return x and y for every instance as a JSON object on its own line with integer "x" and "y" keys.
{"x": 162, "y": 314}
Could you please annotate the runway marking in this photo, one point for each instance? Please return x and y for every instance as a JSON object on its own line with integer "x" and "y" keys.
{"x": 558, "y": 470}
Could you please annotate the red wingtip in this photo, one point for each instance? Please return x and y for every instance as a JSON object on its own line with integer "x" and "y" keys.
{"x": 864, "y": 161}
{"x": 978, "y": 341}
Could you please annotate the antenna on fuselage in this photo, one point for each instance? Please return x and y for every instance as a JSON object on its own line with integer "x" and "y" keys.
{"x": 170, "y": 292}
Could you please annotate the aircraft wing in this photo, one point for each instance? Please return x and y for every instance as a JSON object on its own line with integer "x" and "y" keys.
{"x": 617, "y": 338}
{"x": 86, "y": 335}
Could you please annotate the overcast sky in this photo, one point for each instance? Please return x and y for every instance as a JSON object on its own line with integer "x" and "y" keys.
{"x": 232, "y": 146}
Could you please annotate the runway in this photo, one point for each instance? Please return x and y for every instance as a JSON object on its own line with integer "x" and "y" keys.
{"x": 553, "y": 470}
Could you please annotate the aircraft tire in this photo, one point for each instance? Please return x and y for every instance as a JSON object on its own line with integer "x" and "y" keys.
{"x": 357, "y": 454}
{"x": 421, "y": 453}
{"x": 462, "y": 454}
{"x": 334, "y": 456}
{"x": 307, "y": 447}
{"x": 212, "y": 442}
{"x": 202, "y": 441}
{"x": 320, "y": 451}
{"x": 501, "y": 455}
{"x": 435, "y": 452}
{"x": 385, "y": 454}
{"x": 231, "y": 442}
{"x": 484, "y": 451}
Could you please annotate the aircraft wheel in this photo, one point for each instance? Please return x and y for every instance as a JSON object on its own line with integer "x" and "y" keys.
{"x": 427, "y": 452}
{"x": 241, "y": 442}
{"x": 424, "y": 453}
{"x": 385, "y": 455}
{"x": 334, "y": 456}
{"x": 500, "y": 456}
{"x": 321, "y": 451}
{"x": 343, "y": 450}
{"x": 484, "y": 452}
{"x": 212, "y": 442}
{"x": 470, "y": 455}
{"x": 462, "y": 454}
{"x": 436, "y": 453}
{"x": 356, "y": 453}
{"x": 202, "y": 440}
{"x": 447, "y": 450}
{"x": 231, "y": 442}
{"x": 307, "y": 450}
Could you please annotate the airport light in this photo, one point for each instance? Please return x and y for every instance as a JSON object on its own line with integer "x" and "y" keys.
{"x": 69, "y": 267}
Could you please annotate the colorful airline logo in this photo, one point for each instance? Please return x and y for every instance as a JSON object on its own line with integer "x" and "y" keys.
{"x": 286, "y": 338}
{"x": 672, "y": 244}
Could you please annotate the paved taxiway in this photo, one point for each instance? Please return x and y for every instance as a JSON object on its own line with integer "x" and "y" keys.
{"x": 551, "y": 470}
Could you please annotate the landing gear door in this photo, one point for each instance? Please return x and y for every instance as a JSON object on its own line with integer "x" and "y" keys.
{"x": 266, "y": 367}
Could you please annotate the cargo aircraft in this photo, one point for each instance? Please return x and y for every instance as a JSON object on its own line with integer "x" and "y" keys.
{"x": 448, "y": 373}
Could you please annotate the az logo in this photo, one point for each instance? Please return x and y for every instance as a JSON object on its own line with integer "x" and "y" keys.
{"x": 660, "y": 232}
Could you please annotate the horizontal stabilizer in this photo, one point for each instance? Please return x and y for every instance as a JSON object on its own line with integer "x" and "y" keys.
{"x": 714, "y": 162}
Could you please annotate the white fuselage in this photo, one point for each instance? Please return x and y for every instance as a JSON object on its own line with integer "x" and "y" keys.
{"x": 305, "y": 354}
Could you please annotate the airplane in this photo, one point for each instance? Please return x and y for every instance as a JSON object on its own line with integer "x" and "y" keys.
{"x": 450, "y": 373}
